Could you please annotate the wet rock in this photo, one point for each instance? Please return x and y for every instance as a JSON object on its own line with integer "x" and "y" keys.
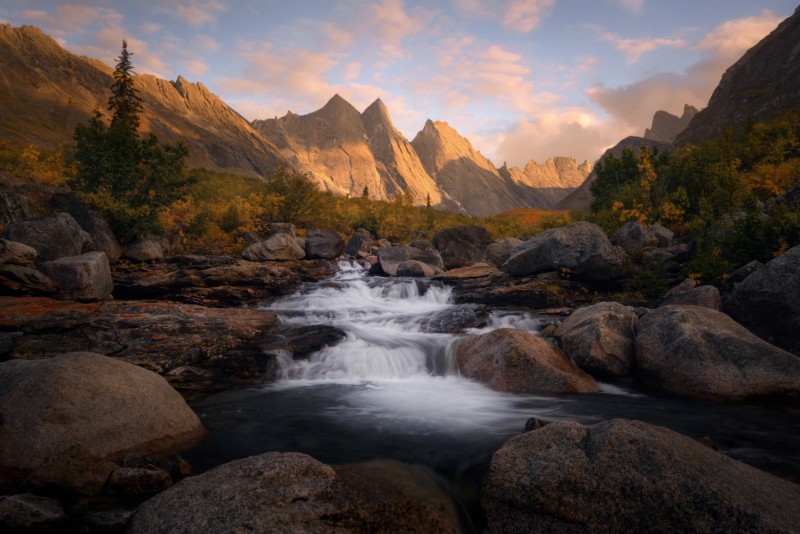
{"x": 53, "y": 236}
{"x": 414, "y": 268}
{"x": 160, "y": 336}
{"x": 14, "y": 253}
{"x": 30, "y": 511}
{"x": 103, "y": 238}
{"x": 273, "y": 492}
{"x": 107, "y": 406}
{"x": 461, "y": 246}
{"x": 580, "y": 248}
{"x": 324, "y": 243}
{"x": 634, "y": 235}
{"x": 137, "y": 481}
{"x": 768, "y": 301}
{"x": 600, "y": 339}
{"x": 498, "y": 252}
{"x": 280, "y": 246}
{"x": 456, "y": 319}
{"x": 85, "y": 278}
{"x": 302, "y": 341}
{"x": 627, "y": 476}
{"x": 519, "y": 362}
{"x": 390, "y": 258}
{"x": 19, "y": 280}
{"x": 534, "y": 423}
{"x": 703, "y": 353}
{"x": 360, "y": 245}
{"x": 705, "y": 296}
{"x": 147, "y": 250}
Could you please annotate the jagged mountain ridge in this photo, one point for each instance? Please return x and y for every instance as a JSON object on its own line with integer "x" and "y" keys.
{"x": 667, "y": 126}
{"x": 45, "y": 91}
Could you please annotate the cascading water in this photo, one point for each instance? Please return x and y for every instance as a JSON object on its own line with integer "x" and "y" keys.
{"x": 390, "y": 389}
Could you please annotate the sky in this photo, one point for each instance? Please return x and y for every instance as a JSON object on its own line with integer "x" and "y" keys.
{"x": 521, "y": 79}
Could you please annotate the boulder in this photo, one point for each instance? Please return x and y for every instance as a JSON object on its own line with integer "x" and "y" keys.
{"x": 360, "y": 245}
{"x": 499, "y": 251}
{"x": 19, "y": 280}
{"x": 138, "y": 481}
{"x": 292, "y": 492}
{"x": 600, "y": 339}
{"x": 14, "y": 253}
{"x": 144, "y": 250}
{"x": 706, "y": 296}
{"x": 248, "y": 238}
{"x": 461, "y": 246}
{"x": 422, "y": 245}
{"x": 29, "y": 511}
{"x": 324, "y": 243}
{"x": 170, "y": 244}
{"x": 738, "y": 276}
{"x": 106, "y": 406}
{"x": 278, "y": 246}
{"x": 768, "y": 301}
{"x": 415, "y": 268}
{"x": 13, "y": 205}
{"x": 282, "y": 228}
{"x": 663, "y": 235}
{"x": 624, "y": 476}
{"x": 72, "y": 469}
{"x": 53, "y": 236}
{"x": 634, "y": 235}
{"x": 103, "y": 238}
{"x": 582, "y": 248}
{"x": 703, "y": 353}
{"x": 686, "y": 285}
{"x": 85, "y": 278}
{"x": 390, "y": 258}
{"x": 519, "y": 362}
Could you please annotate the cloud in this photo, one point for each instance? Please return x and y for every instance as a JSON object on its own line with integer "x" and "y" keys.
{"x": 525, "y": 15}
{"x": 195, "y": 12}
{"x": 205, "y": 42}
{"x": 735, "y": 36}
{"x": 196, "y": 67}
{"x": 151, "y": 27}
{"x": 634, "y": 6}
{"x": 106, "y": 46}
{"x": 71, "y": 18}
{"x": 635, "y": 48}
{"x": 351, "y": 70}
{"x": 388, "y": 22}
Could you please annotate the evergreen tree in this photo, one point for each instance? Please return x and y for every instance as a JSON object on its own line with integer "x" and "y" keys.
{"x": 124, "y": 101}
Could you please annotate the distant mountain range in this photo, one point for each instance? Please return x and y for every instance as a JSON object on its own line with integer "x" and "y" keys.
{"x": 46, "y": 91}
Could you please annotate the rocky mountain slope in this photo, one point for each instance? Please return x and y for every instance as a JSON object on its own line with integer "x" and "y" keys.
{"x": 46, "y": 91}
{"x": 667, "y": 126}
{"x": 765, "y": 80}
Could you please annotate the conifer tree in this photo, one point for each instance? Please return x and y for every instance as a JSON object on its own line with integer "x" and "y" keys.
{"x": 124, "y": 101}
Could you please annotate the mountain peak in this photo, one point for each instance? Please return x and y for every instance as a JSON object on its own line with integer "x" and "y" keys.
{"x": 377, "y": 113}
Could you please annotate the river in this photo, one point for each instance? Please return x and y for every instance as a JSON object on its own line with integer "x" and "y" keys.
{"x": 391, "y": 389}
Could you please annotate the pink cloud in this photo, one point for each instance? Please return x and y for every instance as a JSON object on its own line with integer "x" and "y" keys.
{"x": 525, "y": 15}
{"x": 635, "y": 48}
{"x": 634, "y": 6}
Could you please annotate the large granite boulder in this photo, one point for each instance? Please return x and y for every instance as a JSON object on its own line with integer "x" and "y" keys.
{"x": 14, "y": 253}
{"x": 102, "y": 406}
{"x": 324, "y": 243}
{"x": 279, "y": 246}
{"x": 292, "y": 492}
{"x": 461, "y": 246}
{"x": 282, "y": 228}
{"x": 600, "y": 339}
{"x": 627, "y": 476}
{"x": 360, "y": 245}
{"x": 519, "y": 362}
{"x": 144, "y": 250}
{"x": 582, "y": 248}
{"x": 634, "y": 235}
{"x": 53, "y": 236}
{"x": 703, "y": 353}
{"x": 768, "y": 301}
{"x": 706, "y": 296}
{"x": 498, "y": 252}
{"x": 103, "y": 238}
{"x": 414, "y": 268}
{"x": 390, "y": 258}
{"x": 86, "y": 277}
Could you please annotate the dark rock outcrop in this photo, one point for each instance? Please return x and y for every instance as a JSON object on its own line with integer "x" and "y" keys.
{"x": 704, "y": 354}
{"x": 519, "y": 362}
{"x": 627, "y": 476}
{"x": 581, "y": 248}
{"x": 103, "y": 238}
{"x": 461, "y": 246}
{"x": 14, "y": 253}
{"x": 666, "y": 126}
{"x": 29, "y": 511}
{"x": 768, "y": 301}
{"x": 600, "y": 339}
{"x": 53, "y": 236}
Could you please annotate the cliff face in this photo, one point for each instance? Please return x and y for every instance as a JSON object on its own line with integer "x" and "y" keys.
{"x": 46, "y": 91}
{"x": 667, "y": 126}
{"x": 545, "y": 185}
{"x": 765, "y": 80}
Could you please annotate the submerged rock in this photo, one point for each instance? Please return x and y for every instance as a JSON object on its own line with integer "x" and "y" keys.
{"x": 627, "y": 476}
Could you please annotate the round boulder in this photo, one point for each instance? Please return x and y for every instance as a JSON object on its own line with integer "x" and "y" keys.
{"x": 768, "y": 301}
{"x": 462, "y": 246}
{"x": 324, "y": 243}
{"x": 499, "y": 251}
{"x": 634, "y": 235}
{"x": 390, "y": 258}
{"x": 104, "y": 406}
{"x": 599, "y": 339}
{"x": 360, "y": 245}
{"x": 627, "y": 476}
{"x": 414, "y": 268}
{"x": 703, "y": 353}
{"x": 519, "y": 362}
{"x": 144, "y": 250}
{"x": 581, "y": 247}
{"x": 280, "y": 246}
{"x": 53, "y": 236}
{"x": 84, "y": 278}
{"x": 706, "y": 296}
